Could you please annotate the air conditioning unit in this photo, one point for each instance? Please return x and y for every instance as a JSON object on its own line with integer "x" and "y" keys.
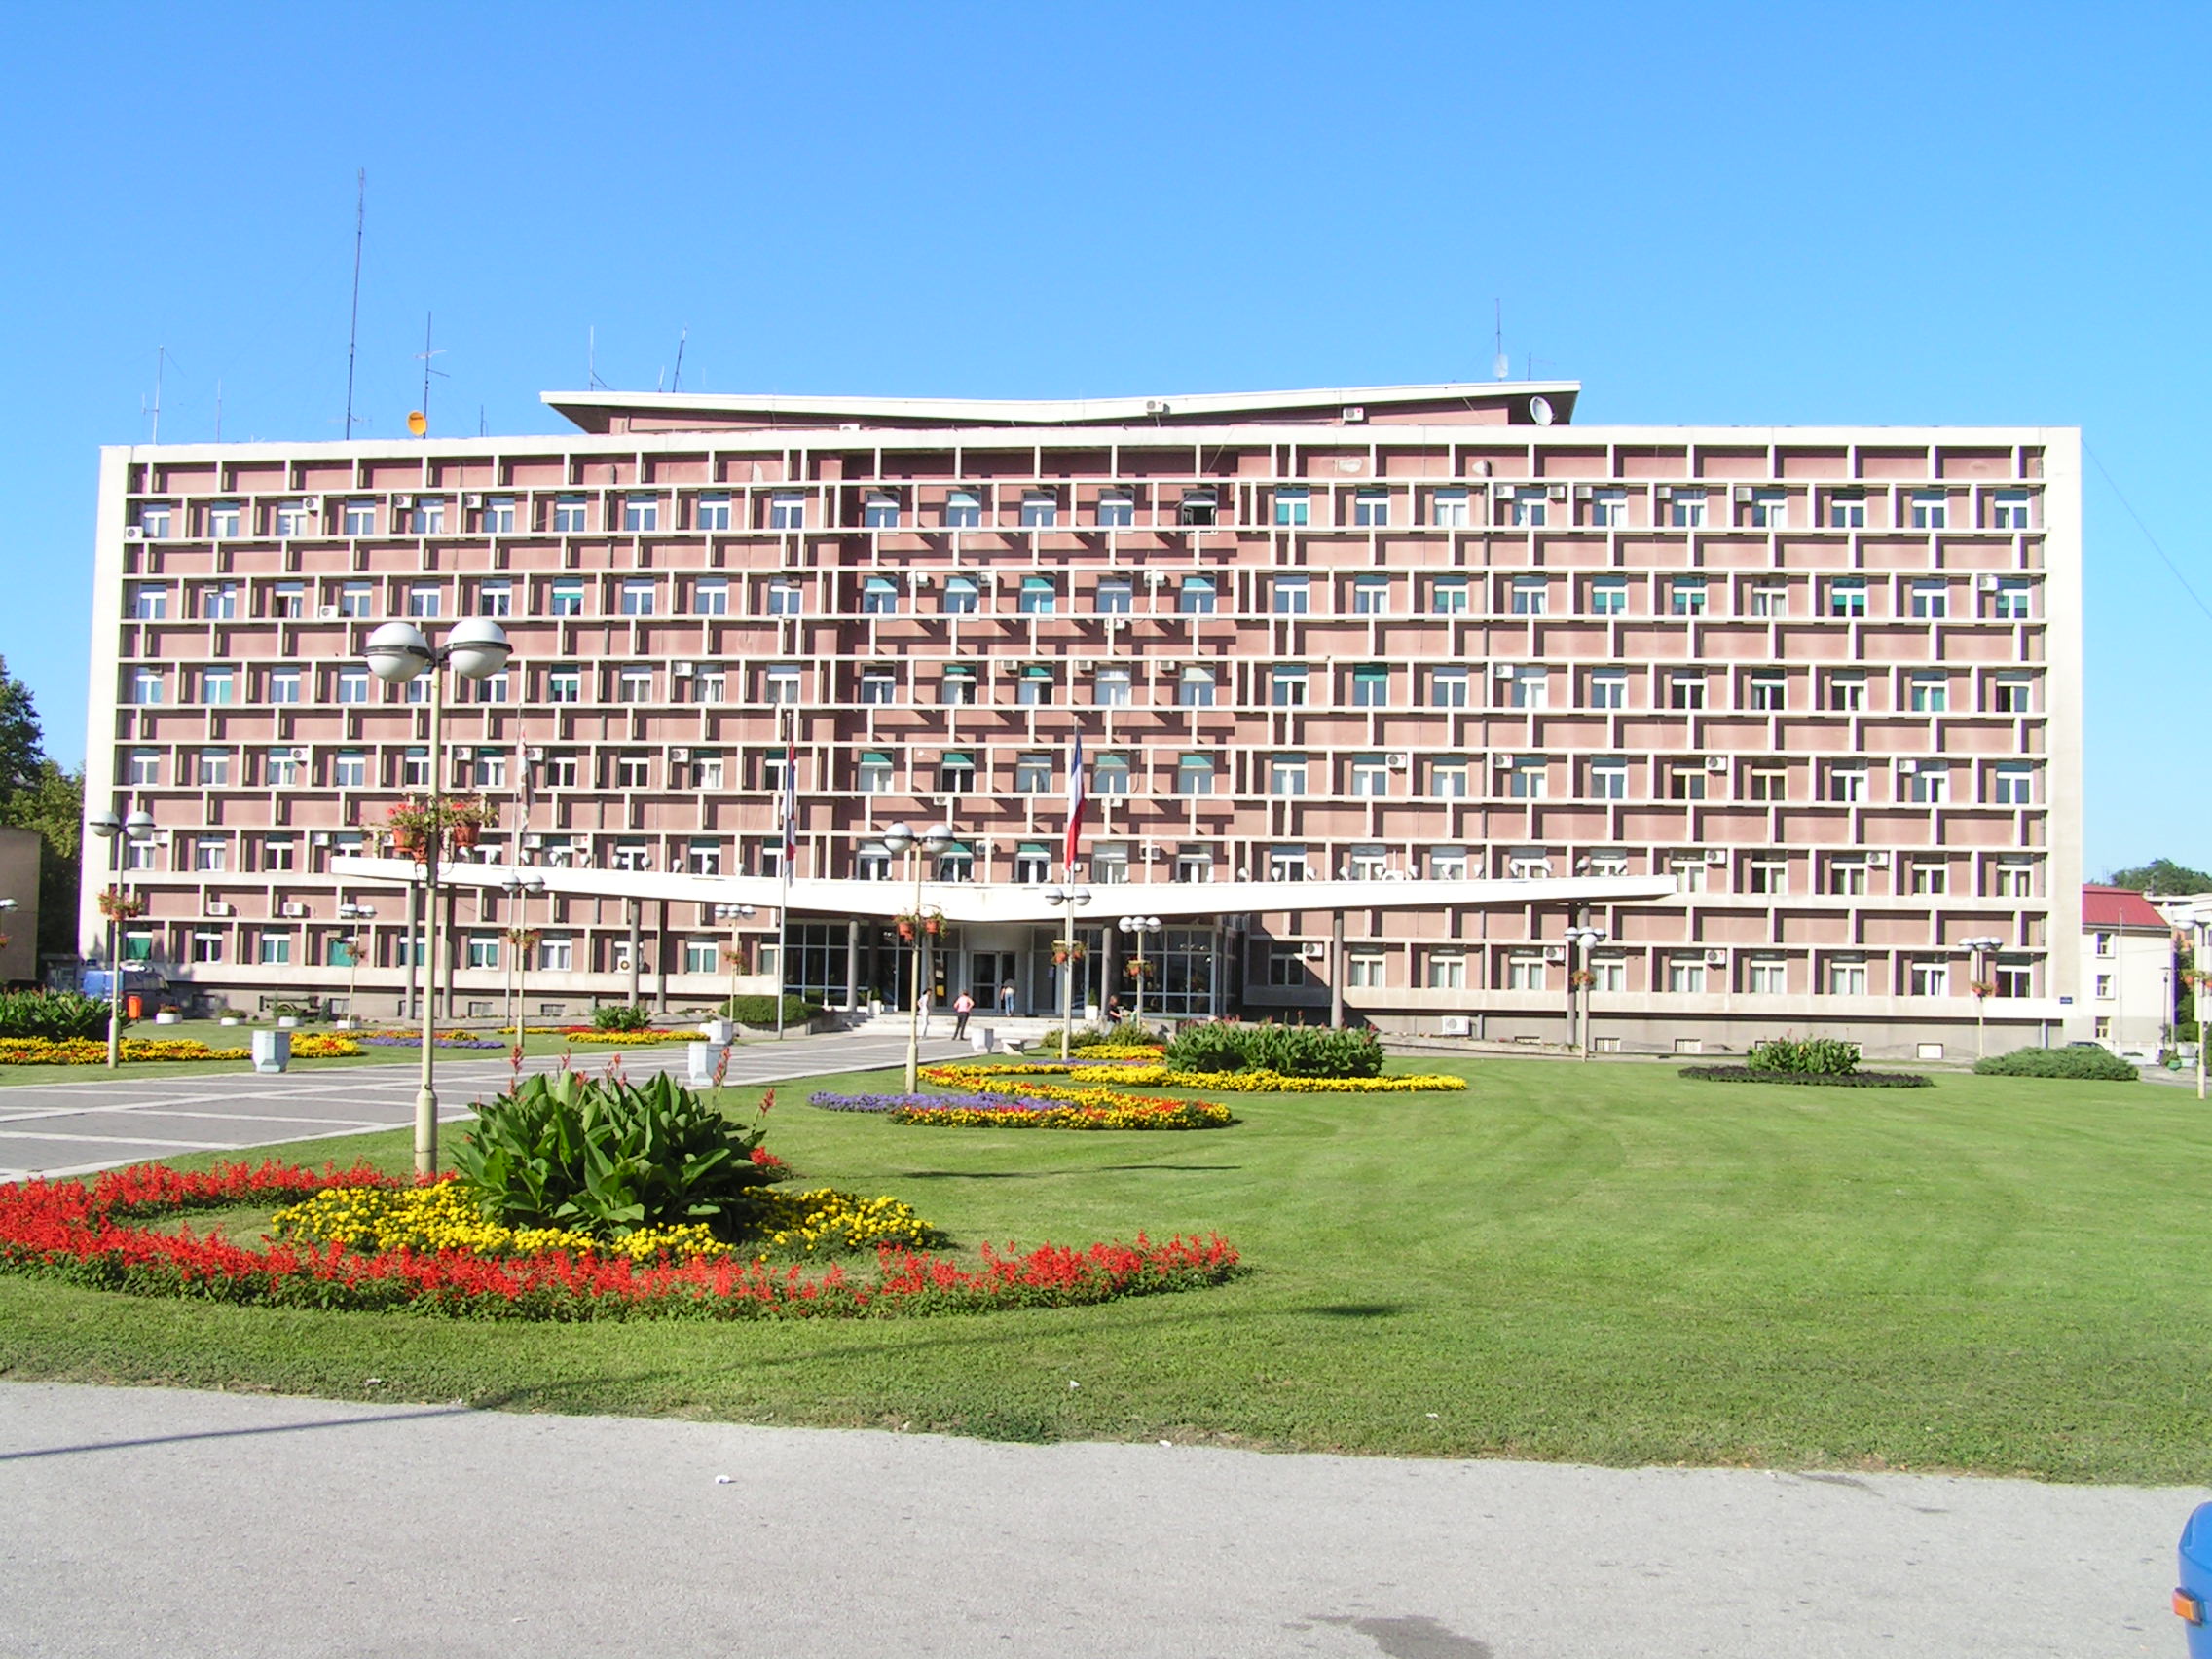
{"x": 403, "y": 500}
{"x": 1501, "y": 671}
{"x": 133, "y": 532}
{"x": 1717, "y": 959}
{"x": 534, "y": 842}
{"x": 1717, "y": 855}
{"x": 1877, "y": 861}
{"x": 682, "y": 670}
{"x": 1501, "y": 763}
{"x": 320, "y": 838}
{"x": 1153, "y": 406}
{"x": 1908, "y": 765}
{"x": 1554, "y": 953}
{"x": 1557, "y": 492}
{"x": 472, "y": 498}
{"x": 1155, "y": 579}
{"x": 217, "y": 907}
{"x": 1743, "y": 492}
{"x": 328, "y": 613}
{"x": 292, "y": 908}
{"x": 680, "y": 755}
{"x": 1353, "y": 413}
{"x": 1453, "y": 1026}
{"x": 1989, "y": 584}
{"x": 311, "y": 504}
{"x": 1582, "y": 492}
{"x": 1401, "y": 762}
{"x": 1312, "y": 951}
{"x": 1717, "y": 763}
{"x": 919, "y": 578}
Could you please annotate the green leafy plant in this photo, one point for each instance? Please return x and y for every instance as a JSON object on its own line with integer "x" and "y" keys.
{"x": 1814, "y": 1057}
{"x": 2089, "y": 1064}
{"x": 1828, "y": 1080}
{"x": 58, "y": 1015}
{"x": 620, "y": 1017}
{"x": 762, "y": 1011}
{"x": 608, "y": 1158}
{"x": 1294, "y": 1051}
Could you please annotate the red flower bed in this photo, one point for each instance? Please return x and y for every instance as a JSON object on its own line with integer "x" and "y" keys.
{"x": 85, "y": 1234}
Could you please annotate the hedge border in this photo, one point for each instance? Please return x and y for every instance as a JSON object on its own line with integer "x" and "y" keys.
{"x": 1818, "y": 1080}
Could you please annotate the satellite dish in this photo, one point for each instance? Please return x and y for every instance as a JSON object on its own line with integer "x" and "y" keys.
{"x": 1540, "y": 411}
{"x": 419, "y": 423}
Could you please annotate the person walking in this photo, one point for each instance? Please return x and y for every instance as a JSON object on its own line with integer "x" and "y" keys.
{"x": 1006, "y": 999}
{"x": 963, "y": 1006}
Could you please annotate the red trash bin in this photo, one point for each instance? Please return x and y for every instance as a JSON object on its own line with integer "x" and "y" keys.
{"x": 133, "y": 1008}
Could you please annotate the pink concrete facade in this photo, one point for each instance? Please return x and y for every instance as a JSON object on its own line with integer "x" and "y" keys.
{"x": 1827, "y": 678}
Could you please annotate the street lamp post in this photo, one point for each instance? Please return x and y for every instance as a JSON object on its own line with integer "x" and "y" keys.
{"x": 900, "y": 839}
{"x": 1074, "y": 898}
{"x": 114, "y": 830}
{"x": 734, "y": 914}
{"x": 520, "y": 890}
{"x": 354, "y": 913}
{"x": 1136, "y": 927}
{"x": 1981, "y": 987}
{"x": 397, "y": 652}
{"x": 1584, "y": 939}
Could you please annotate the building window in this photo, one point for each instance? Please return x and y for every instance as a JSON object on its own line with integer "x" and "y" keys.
{"x": 1194, "y": 776}
{"x": 1448, "y": 510}
{"x": 1929, "y": 979}
{"x": 1685, "y": 974}
{"x": 1114, "y": 596}
{"x": 632, "y": 772}
{"x": 1117, "y": 510}
{"x": 1847, "y": 596}
{"x": 1685, "y": 691}
{"x": 1847, "y": 877}
{"x": 1292, "y": 504}
{"x": 1032, "y": 774}
{"x": 633, "y": 682}
{"x": 1448, "y": 688}
{"x": 1527, "y": 508}
{"x": 144, "y": 767}
{"x": 1034, "y": 689}
{"x": 210, "y": 853}
{"x": 1928, "y": 695}
{"x": 556, "y": 954}
{"x": 641, "y": 514}
{"x": 1199, "y": 506}
{"x": 568, "y": 515}
{"x": 1195, "y": 597}
{"x": 275, "y": 949}
{"x": 2015, "y": 979}
{"x": 1371, "y": 508}
{"x": 1109, "y": 775}
{"x": 1447, "y": 597}
{"x": 1286, "y": 864}
{"x": 1767, "y": 977}
{"x": 359, "y": 518}
{"x": 207, "y": 945}
{"x": 1685, "y": 783}
{"x": 1286, "y": 775}
{"x": 1769, "y": 508}
{"x": 1369, "y": 776}
{"x": 963, "y": 510}
{"x": 1608, "y": 509}
{"x": 1769, "y": 875}
{"x": 1686, "y": 598}
{"x": 1608, "y": 688}
{"x": 879, "y": 597}
{"x": 292, "y": 519}
{"x": 1287, "y": 966}
{"x": 1931, "y": 509}
{"x": 483, "y": 950}
{"x": 1039, "y": 510}
{"x": 214, "y": 771}
{"x": 878, "y": 685}
{"x": 2013, "y": 695}
{"x": 1847, "y": 693}
{"x": 1685, "y": 509}
{"x": 1448, "y": 864}
{"x": 1770, "y": 599}
{"x": 1447, "y": 778}
{"x": 1531, "y": 596}
{"x": 637, "y": 595}
{"x": 430, "y": 515}
{"x": 879, "y": 511}
{"x": 218, "y": 686}
{"x": 349, "y": 769}
{"x": 567, "y": 599}
{"x": 1364, "y": 970}
{"x": 149, "y": 603}
{"x": 783, "y": 684}
{"x": 1931, "y": 876}
{"x": 219, "y": 603}
{"x": 2009, "y": 511}
{"x": 1847, "y": 977}
{"x": 1528, "y": 688}
{"x": 564, "y": 684}
{"x": 1847, "y": 782}
{"x": 495, "y": 599}
{"x": 1040, "y": 596}
{"x": 2014, "y": 784}
{"x": 957, "y": 687}
{"x": 1286, "y": 686}
{"x": 1769, "y": 693}
{"x": 1371, "y": 595}
{"x": 1194, "y": 864}
{"x": 499, "y": 515}
{"x": 1032, "y": 864}
{"x": 1609, "y": 778}
{"x": 706, "y": 774}
{"x": 1847, "y": 509}
{"x": 874, "y": 774}
{"x": 1930, "y": 600}
{"x": 2012, "y": 601}
{"x": 1290, "y": 596}
{"x": 1445, "y": 971}
{"x": 283, "y": 684}
{"x": 1194, "y": 689}
{"x": 1371, "y": 687}
{"x": 783, "y": 598}
{"x": 1526, "y": 778}
{"x": 1768, "y": 783}
{"x": 424, "y": 601}
{"x": 1609, "y": 596}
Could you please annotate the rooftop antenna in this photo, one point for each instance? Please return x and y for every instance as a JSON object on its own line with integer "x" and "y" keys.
{"x": 677, "y": 383}
{"x": 160, "y": 359}
{"x": 480, "y": 420}
{"x": 591, "y": 360}
{"x": 353, "y": 329}
{"x": 218, "y": 411}
{"x": 1503, "y": 365}
{"x": 419, "y": 423}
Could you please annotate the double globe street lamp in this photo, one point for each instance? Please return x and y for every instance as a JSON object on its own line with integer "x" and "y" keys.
{"x": 1581, "y": 980}
{"x": 925, "y": 846}
{"x": 476, "y": 649}
{"x": 1137, "y": 927}
{"x": 1074, "y": 898}
{"x": 114, "y": 830}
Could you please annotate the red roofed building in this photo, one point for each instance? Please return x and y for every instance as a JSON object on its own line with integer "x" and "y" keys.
{"x": 2127, "y": 972}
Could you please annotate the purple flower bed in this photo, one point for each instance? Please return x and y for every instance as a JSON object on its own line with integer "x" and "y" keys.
{"x": 922, "y": 1102}
{"x": 442, "y": 1042}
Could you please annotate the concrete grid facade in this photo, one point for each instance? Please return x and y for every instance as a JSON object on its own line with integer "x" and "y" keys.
{"x": 1829, "y": 678}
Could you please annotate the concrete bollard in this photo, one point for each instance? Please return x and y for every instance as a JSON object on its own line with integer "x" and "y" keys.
{"x": 272, "y": 1050}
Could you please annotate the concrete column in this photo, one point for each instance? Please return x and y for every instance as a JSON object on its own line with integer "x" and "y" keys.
{"x": 660, "y": 963}
{"x": 447, "y": 955}
{"x": 1336, "y": 970}
{"x": 636, "y": 953}
{"x": 411, "y": 1009}
{"x": 851, "y": 964}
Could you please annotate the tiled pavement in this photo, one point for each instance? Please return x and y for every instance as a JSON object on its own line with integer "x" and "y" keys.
{"x": 70, "y": 1128}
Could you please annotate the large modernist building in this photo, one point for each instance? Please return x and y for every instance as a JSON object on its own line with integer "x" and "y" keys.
{"x": 1828, "y": 679}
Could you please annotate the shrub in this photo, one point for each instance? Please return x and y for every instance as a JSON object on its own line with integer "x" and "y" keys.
{"x": 1823, "y": 1056}
{"x": 620, "y": 1017}
{"x": 2089, "y": 1064}
{"x": 57, "y": 1015}
{"x": 1292, "y": 1051}
{"x": 1831, "y": 1080}
{"x": 607, "y": 1158}
{"x": 1129, "y": 1033}
{"x": 762, "y": 1011}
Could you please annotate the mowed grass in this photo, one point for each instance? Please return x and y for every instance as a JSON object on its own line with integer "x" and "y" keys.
{"x": 1603, "y": 1263}
{"x": 216, "y": 1035}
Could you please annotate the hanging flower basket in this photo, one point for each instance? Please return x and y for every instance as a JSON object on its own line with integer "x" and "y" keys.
{"x": 1582, "y": 979}
{"x": 1066, "y": 951}
{"x": 460, "y": 823}
{"x": 931, "y": 922}
{"x": 407, "y": 843}
{"x": 523, "y": 938}
{"x": 1146, "y": 971}
{"x": 117, "y": 905}
{"x": 1983, "y": 987}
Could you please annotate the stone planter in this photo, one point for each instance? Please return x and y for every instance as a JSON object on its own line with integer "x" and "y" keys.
{"x": 169, "y": 1016}
{"x": 701, "y": 1059}
{"x": 721, "y": 1031}
{"x": 272, "y": 1050}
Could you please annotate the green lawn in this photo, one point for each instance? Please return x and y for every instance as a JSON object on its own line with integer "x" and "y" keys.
{"x": 1603, "y": 1263}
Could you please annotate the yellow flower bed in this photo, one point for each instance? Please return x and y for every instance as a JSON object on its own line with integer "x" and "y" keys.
{"x": 626, "y": 1039}
{"x": 1102, "y": 1110}
{"x": 1118, "y": 1052}
{"x": 319, "y": 1045}
{"x": 442, "y": 1217}
{"x": 92, "y": 1051}
{"x": 1266, "y": 1082}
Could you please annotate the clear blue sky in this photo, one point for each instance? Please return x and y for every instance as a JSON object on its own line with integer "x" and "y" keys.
{"x": 1773, "y": 213}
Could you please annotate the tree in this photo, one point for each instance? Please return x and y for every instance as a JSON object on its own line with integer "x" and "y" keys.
{"x": 37, "y": 794}
{"x": 22, "y": 744}
{"x": 2162, "y": 876}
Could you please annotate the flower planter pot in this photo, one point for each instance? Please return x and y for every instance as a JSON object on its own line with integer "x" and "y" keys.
{"x": 465, "y": 835}
{"x": 406, "y": 844}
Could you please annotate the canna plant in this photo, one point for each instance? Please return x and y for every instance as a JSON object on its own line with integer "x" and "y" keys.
{"x": 610, "y": 1158}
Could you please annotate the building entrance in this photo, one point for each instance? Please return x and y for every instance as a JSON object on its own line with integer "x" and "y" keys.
{"x": 989, "y": 973}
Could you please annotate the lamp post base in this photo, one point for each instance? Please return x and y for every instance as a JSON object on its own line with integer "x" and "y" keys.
{"x": 426, "y": 1131}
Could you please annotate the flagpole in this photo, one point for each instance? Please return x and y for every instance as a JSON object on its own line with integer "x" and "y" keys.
{"x": 784, "y": 865}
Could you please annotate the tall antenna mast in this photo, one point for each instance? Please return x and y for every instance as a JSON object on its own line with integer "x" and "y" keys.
{"x": 677, "y": 383}
{"x": 426, "y": 354}
{"x": 353, "y": 329}
{"x": 1503, "y": 365}
{"x": 160, "y": 359}
{"x": 218, "y": 411}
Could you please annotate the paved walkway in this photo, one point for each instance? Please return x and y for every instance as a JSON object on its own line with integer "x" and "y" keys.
{"x": 153, "y": 1521}
{"x": 70, "y": 1128}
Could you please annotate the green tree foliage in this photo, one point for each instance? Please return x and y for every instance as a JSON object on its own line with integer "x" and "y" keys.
{"x": 2162, "y": 876}
{"x": 39, "y": 795}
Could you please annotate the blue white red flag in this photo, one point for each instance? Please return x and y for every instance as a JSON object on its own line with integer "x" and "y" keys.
{"x": 790, "y": 810}
{"x": 1078, "y": 796}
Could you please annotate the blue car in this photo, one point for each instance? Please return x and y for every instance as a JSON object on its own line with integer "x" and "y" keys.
{"x": 2195, "y": 1592}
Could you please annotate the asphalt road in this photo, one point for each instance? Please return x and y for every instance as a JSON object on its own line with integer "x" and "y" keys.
{"x": 70, "y": 1128}
{"x": 139, "y": 1522}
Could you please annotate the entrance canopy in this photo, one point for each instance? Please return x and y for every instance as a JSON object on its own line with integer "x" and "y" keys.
{"x": 1004, "y": 902}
